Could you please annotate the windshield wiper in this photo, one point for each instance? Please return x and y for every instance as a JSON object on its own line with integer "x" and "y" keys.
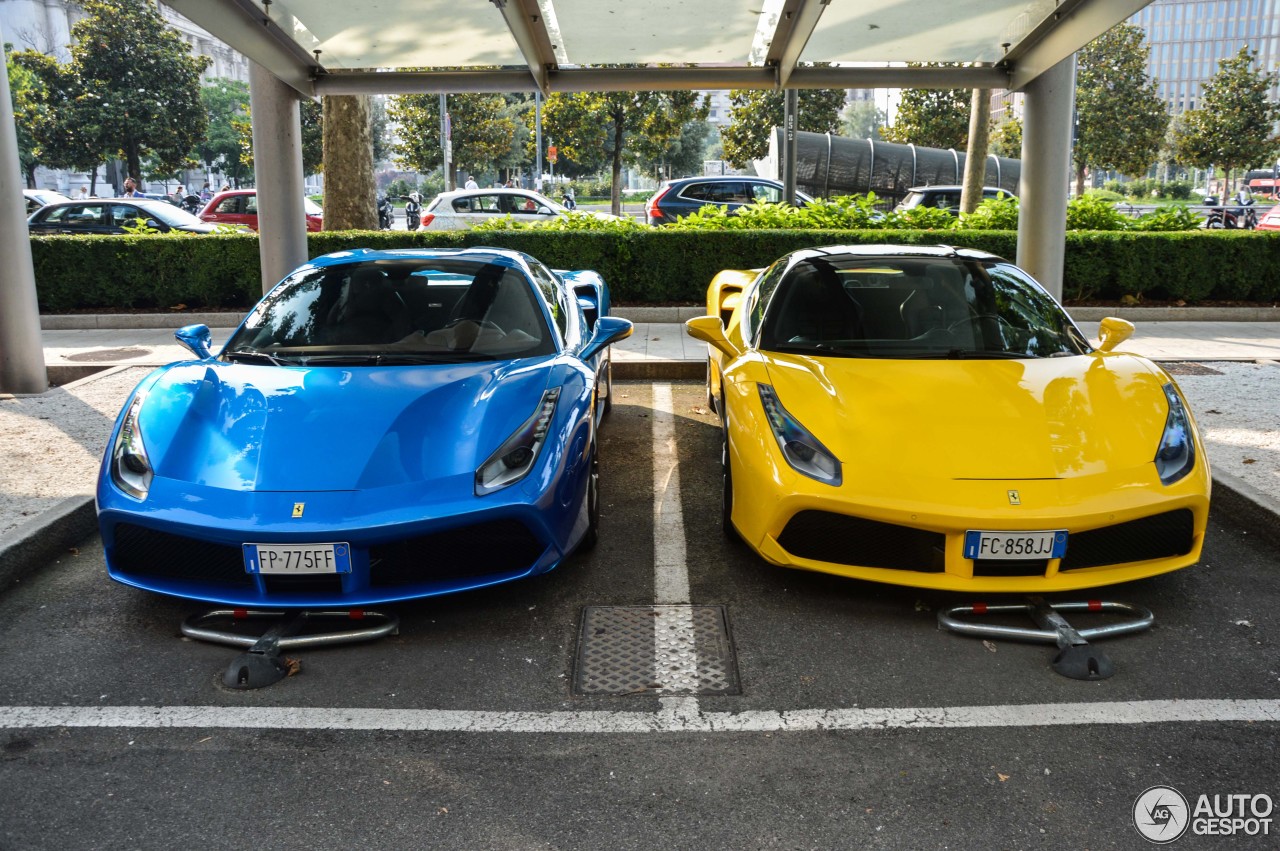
{"x": 251, "y": 354}
{"x": 397, "y": 358}
{"x": 978, "y": 354}
{"x": 821, "y": 349}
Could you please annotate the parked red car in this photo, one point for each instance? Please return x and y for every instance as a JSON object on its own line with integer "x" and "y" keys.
{"x": 240, "y": 207}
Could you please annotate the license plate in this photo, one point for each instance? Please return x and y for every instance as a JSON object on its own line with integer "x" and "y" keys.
{"x": 297, "y": 559}
{"x": 1015, "y": 545}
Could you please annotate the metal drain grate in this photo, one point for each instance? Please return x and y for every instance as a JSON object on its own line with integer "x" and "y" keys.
{"x": 655, "y": 650}
{"x": 1189, "y": 368}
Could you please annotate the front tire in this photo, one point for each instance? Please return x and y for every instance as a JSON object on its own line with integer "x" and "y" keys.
{"x": 592, "y": 536}
{"x": 726, "y": 487}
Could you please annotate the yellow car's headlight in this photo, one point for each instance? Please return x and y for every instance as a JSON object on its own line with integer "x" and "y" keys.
{"x": 804, "y": 452}
{"x": 1177, "y": 453}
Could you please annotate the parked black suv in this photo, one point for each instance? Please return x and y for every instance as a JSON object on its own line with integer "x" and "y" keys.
{"x": 688, "y": 194}
{"x": 946, "y": 197}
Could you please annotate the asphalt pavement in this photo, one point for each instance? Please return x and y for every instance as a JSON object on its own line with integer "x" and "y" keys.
{"x": 853, "y": 722}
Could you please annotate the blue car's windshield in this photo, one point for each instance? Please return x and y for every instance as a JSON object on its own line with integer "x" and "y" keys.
{"x": 396, "y": 311}
{"x": 915, "y": 307}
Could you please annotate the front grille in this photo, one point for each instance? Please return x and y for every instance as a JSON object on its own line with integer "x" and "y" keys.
{"x": 1010, "y": 567}
{"x": 315, "y": 584}
{"x": 498, "y": 546}
{"x": 145, "y": 552}
{"x": 841, "y": 539}
{"x": 1159, "y": 536}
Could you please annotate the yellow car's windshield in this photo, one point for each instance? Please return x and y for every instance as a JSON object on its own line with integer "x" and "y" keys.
{"x": 915, "y": 307}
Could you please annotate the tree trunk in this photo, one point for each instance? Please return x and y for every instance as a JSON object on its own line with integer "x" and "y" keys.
{"x": 93, "y": 182}
{"x": 975, "y": 164}
{"x": 350, "y": 192}
{"x": 615, "y": 191}
{"x": 31, "y": 177}
{"x": 134, "y": 160}
{"x": 1080, "y": 180}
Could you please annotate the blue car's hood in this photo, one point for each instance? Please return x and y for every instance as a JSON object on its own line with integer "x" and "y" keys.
{"x": 263, "y": 428}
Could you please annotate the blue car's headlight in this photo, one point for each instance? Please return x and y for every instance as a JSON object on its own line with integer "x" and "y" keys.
{"x": 515, "y": 457}
{"x": 1177, "y": 453}
{"x": 130, "y": 466}
{"x": 804, "y": 452}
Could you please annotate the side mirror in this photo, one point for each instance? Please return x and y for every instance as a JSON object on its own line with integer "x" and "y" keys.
{"x": 546, "y": 211}
{"x": 1112, "y": 332}
{"x": 710, "y": 330}
{"x": 196, "y": 338}
{"x": 154, "y": 224}
{"x": 608, "y": 330}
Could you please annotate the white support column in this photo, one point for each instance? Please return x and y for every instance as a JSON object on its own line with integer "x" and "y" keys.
{"x": 277, "y": 169}
{"x": 21, "y": 352}
{"x": 1046, "y": 171}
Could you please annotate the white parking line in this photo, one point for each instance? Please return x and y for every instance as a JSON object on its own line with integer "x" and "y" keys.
{"x": 679, "y": 715}
{"x": 675, "y": 654}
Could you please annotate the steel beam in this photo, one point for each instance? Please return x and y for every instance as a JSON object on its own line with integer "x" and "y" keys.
{"x": 1070, "y": 27}
{"x": 524, "y": 19}
{"x": 795, "y": 25}
{"x": 655, "y": 79}
{"x": 243, "y": 25}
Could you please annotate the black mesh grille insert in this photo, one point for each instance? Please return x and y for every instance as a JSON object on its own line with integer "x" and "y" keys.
{"x": 1010, "y": 567}
{"x": 146, "y": 552}
{"x": 1159, "y": 536}
{"x": 316, "y": 584}
{"x": 841, "y": 539}
{"x": 498, "y": 546}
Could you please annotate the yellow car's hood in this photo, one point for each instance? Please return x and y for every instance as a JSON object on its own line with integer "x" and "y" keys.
{"x": 977, "y": 419}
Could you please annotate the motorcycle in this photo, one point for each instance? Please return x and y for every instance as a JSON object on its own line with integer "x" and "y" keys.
{"x": 1242, "y": 217}
{"x": 385, "y": 212}
{"x": 412, "y": 211}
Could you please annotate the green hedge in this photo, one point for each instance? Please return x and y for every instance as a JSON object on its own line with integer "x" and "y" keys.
{"x": 644, "y": 266}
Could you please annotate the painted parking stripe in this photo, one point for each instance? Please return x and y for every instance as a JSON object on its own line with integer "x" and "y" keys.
{"x": 679, "y": 715}
{"x": 675, "y": 652}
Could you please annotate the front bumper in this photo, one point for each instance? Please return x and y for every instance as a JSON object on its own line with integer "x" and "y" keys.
{"x": 1119, "y": 529}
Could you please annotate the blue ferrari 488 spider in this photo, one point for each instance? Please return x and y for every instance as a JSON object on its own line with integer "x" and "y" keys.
{"x": 384, "y": 425}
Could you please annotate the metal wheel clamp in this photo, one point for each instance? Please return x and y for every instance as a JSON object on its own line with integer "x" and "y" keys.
{"x": 1076, "y": 658}
{"x": 261, "y": 665}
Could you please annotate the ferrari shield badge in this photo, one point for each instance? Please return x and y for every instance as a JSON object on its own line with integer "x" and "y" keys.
{"x": 1014, "y": 499}
{"x": 299, "y": 506}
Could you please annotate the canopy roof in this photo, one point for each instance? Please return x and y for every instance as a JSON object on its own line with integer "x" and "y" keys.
{"x": 401, "y": 46}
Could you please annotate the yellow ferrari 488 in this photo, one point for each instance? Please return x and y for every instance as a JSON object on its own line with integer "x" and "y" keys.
{"x": 932, "y": 417}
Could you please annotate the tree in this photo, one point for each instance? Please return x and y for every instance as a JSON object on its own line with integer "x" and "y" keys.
{"x": 1006, "y": 138}
{"x": 64, "y": 128}
{"x": 684, "y": 154}
{"x": 26, "y": 93}
{"x": 141, "y": 79}
{"x": 934, "y": 118}
{"x": 481, "y": 131}
{"x": 754, "y": 113}
{"x": 1235, "y": 125}
{"x": 862, "y": 119}
{"x": 226, "y": 105}
{"x": 637, "y": 126}
{"x": 1120, "y": 120}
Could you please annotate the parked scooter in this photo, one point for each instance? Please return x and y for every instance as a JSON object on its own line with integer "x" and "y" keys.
{"x": 1242, "y": 217}
{"x": 191, "y": 203}
{"x": 385, "y": 211}
{"x": 412, "y": 211}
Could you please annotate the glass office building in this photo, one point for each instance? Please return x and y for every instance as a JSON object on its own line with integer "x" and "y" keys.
{"x": 1189, "y": 37}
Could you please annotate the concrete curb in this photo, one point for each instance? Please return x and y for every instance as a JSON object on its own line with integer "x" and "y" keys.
{"x": 1249, "y": 507}
{"x": 669, "y": 314}
{"x": 44, "y": 537}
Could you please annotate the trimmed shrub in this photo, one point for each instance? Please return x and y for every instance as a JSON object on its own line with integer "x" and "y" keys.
{"x": 641, "y": 264}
